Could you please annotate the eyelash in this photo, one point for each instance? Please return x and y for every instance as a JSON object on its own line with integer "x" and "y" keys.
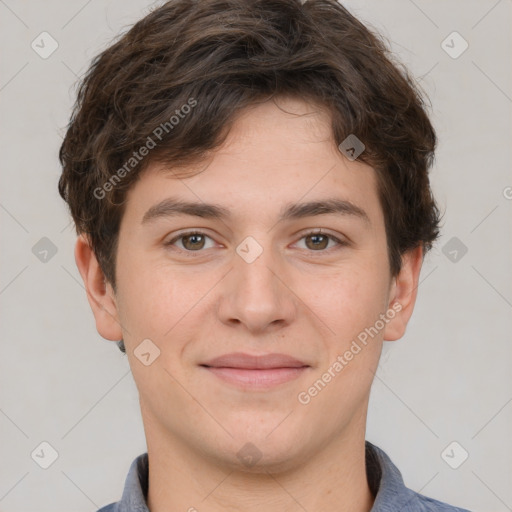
{"x": 340, "y": 243}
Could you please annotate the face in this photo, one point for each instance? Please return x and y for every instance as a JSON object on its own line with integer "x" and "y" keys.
{"x": 253, "y": 275}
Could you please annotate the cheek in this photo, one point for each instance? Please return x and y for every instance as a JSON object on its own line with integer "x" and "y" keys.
{"x": 349, "y": 300}
{"x": 160, "y": 302}
{"x": 148, "y": 301}
{"x": 350, "y": 306}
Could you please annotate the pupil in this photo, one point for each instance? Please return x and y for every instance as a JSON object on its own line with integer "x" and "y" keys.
{"x": 315, "y": 241}
{"x": 194, "y": 239}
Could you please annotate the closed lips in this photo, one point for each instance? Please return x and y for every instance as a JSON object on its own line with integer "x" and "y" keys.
{"x": 254, "y": 362}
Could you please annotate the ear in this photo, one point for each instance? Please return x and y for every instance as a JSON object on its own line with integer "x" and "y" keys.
{"x": 403, "y": 294}
{"x": 100, "y": 294}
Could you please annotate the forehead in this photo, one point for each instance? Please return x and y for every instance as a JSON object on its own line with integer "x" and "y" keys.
{"x": 273, "y": 155}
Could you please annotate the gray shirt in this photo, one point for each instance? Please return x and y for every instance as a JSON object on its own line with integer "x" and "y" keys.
{"x": 384, "y": 480}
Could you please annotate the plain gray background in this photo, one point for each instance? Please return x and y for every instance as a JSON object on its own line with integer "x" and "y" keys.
{"x": 448, "y": 380}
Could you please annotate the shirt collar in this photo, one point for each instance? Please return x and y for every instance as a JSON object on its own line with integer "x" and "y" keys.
{"x": 384, "y": 479}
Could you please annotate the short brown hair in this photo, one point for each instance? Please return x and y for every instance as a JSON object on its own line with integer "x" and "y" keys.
{"x": 202, "y": 62}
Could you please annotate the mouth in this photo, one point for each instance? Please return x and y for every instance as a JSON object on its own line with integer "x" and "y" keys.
{"x": 256, "y": 372}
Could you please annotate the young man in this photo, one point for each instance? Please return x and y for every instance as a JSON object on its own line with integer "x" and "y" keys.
{"x": 249, "y": 182}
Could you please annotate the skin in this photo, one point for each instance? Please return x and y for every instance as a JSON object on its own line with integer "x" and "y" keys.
{"x": 295, "y": 298}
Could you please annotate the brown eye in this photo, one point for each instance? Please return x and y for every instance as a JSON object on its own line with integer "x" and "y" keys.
{"x": 317, "y": 241}
{"x": 193, "y": 242}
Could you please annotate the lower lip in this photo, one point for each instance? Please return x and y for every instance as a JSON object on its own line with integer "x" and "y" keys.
{"x": 259, "y": 379}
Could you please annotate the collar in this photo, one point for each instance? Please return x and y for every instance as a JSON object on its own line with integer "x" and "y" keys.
{"x": 384, "y": 479}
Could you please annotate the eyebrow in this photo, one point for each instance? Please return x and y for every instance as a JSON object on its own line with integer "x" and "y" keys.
{"x": 172, "y": 207}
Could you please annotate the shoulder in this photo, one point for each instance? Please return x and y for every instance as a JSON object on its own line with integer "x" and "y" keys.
{"x": 108, "y": 508}
{"x": 386, "y": 483}
{"x": 420, "y": 503}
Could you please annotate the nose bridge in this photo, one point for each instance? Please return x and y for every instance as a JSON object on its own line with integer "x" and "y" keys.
{"x": 256, "y": 296}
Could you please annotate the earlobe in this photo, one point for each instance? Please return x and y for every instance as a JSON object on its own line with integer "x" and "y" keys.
{"x": 99, "y": 292}
{"x": 403, "y": 294}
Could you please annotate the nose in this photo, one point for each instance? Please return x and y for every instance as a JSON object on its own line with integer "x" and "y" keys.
{"x": 257, "y": 295}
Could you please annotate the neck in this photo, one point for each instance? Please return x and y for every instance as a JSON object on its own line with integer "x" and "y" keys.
{"x": 334, "y": 478}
